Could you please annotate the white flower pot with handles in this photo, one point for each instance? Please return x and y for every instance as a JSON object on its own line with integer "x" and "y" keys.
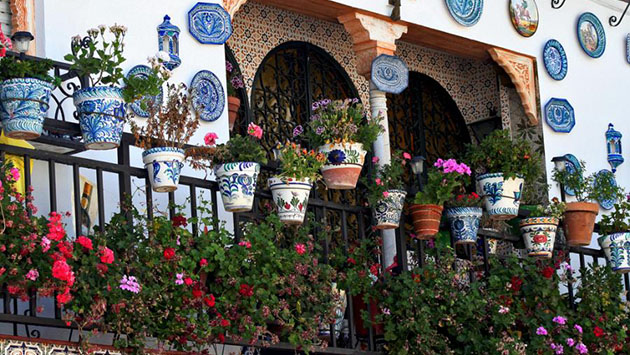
{"x": 164, "y": 165}
{"x": 616, "y": 247}
{"x": 501, "y": 197}
{"x": 291, "y": 198}
{"x": 539, "y": 234}
{"x": 344, "y": 162}
{"x": 237, "y": 184}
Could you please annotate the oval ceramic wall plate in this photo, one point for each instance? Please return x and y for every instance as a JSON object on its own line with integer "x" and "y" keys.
{"x": 209, "y": 23}
{"x": 591, "y": 35}
{"x": 524, "y": 15}
{"x": 208, "y": 97}
{"x": 465, "y": 12}
{"x": 390, "y": 74}
{"x": 572, "y": 165}
{"x": 555, "y": 60}
{"x": 143, "y": 71}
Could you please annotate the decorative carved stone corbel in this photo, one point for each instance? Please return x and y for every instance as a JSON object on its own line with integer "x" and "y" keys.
{"x": 231, "y": 6}
{"x": 520, "y": 69}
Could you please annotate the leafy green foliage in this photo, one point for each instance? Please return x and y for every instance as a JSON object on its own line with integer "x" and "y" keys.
{"x": 388, "y": 177}
{"x": 444, "y": 179}
{"x": 595, "y": 187}
{"x": 617, "y": 220}
{"x": 12, "y": 68}
{"x": 298, "y": 163}
{"x": 240, "y": 148}
{"x": 146, "y": 87}
{"x": 554, "y": 209}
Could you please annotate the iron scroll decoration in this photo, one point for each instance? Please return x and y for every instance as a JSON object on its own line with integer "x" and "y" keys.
{"x": 614, "y": 21}
{"x": 390, "y": 74}
{"x": 556, "y": 4}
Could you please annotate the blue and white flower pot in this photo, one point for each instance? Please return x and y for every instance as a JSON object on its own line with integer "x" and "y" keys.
{"x": 464, "y": 222}
{"x": 101, "y": 111}
{"x": 291, "y": 198}
{"x": 23, "y": 104}
{"x": 237, "y": 184}
{"x": 539, "y": 234}
{"x": 387, "y": 211}
{"x": 164, "y": 165}
{"x": 616, "y": 247}
{"x": 501, "y": 197}
{"x": 344, "y": 162}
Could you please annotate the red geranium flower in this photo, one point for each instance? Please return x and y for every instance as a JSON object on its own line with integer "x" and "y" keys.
{"x": 169, "y": 253}
{"x": 203, "y": 262}
{"x": 516, "y": 283}
{"x": 548, "y": 272}
{"x": 209, "y": 300}
{"x": 351, "y": 261}
{"x": 85, "y": 242}
{"x": 179, "y": 221}
{"x": 374, "y": 269}
{"x": 474, "y": 194}
{"x": 197, "y": 293}
{"x": 225, "y": 322}
{"x": 599, "y": 332}
{"x": 246, "y": 290}
{"x": 107, "y": 255}
{"x": 188, "y": 281}
{"x": 102, "y": 269}
{"x": 540, "y": 238}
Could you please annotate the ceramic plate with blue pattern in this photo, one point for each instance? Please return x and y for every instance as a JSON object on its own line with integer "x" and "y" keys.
{"x": 591, "y": 35}
{"x": 559, "y": 115}
{"x": 608, "y": 204}
{"x": 572, "y": 165}
{"x": 555, "y": 59}
{"x": 628, "y": 48}
{"x": 208, "y": 97}
{"x": 143, "y": 71}
{"x": 209, "y": 23}
{"x": 465, "y": 12}
{"x": 390, "y": 74}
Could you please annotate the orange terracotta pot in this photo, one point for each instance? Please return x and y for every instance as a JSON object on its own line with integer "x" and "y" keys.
{"x": 579, "y": 222}
{"x": 234, "y": 103}
{"x": 426, "y": 220}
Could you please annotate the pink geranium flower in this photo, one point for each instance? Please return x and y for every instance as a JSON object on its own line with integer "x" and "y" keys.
{"x": 300, "y": 248}
{"x": 210, "y": 138}
{"x": 32, "y": 274}
{"x": 15, "y": 174}
{"x": 375, "y": 160}
{"x": 385, "y": 194}
{"x": 254, "y": 130}
{"x": 406, "y": 155}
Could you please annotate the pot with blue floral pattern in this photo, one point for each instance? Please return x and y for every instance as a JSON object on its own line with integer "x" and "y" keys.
{"x": 501, "y": 197}
{"x": 291, "y": 198}
{"x": 23, "y": 104}
{"x": 464, "y": 222}
{"x": 387, "y": 211}
{"x": 539, "y": 234}
{"x": 344, "y": 162}
{"x": 616, "y": 247}
{"x": 101, "y": 111}
{"x": 164, "y": 165}
{"x": 237, "y": 184}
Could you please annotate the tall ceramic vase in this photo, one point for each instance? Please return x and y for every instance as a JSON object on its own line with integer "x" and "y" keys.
{"x": 343, "y": 164}
{"x": 164, "y": 165}
{"x": 237, "y": 184}
{"x": 539, "y": 234}
{"x": 101, "y": 111}
{"x": 616, "y": 247}
{"x": 291, "y": 198}
{"x": 387, "y": 211}
{"x": 464, "y": 223}
{"x": 23, "y": 104}
{"x": 426, "y": 220}
{"x": 501, "y": 197}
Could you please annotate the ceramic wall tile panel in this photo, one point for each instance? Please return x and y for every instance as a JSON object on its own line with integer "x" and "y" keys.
{"x": 26, "y": 347}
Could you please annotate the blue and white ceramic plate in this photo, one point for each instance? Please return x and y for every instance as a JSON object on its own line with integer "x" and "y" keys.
{"x": 465, "y": 12}
{"x": 143, "y": 71}
{"x": 572, "y": 165}
{"x": 559, "y": 115}
{"x": 608, "y": 204}
{"x": 208, "y": 97}
{"x": 209, "y": 23}
{"x": 591, "y": 35}
{"x": 390, "y": 74}
{"x": 555, "y": 59}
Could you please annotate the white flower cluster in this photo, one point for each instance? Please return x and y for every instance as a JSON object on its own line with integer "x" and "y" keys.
{"x": 157, "y": 61}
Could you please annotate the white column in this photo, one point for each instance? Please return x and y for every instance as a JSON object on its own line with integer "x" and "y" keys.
{"x": 378, "y": 105}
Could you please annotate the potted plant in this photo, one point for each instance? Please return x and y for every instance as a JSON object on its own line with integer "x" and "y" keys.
{"x": 236, "y": 165}
{"x": 101, "y": 107}
{"x": 614, "y": 229}
{"x": 426, "y": 211}
{"x": 343, "y": 132}
{"x": 506, "y": 164}
{"x": 539, "y": 229}
{"x": 386, "y": 194}
{"x": 464, "y": 214}
{"x": 580, "y": 215}
{"x": 25, "y": 88}
{"x": 164, "y": 136}
{"x": 290, "y": 189}
{"x": 234, "y": 82}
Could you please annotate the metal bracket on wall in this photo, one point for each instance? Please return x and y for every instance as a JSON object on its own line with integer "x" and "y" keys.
{"x": 614, "y": 22}
{"x": 395, "y": 16}
{"x": 556, "y": 4}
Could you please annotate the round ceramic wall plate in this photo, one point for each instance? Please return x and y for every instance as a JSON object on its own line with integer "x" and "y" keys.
{"x": 559, "y": 115}
{"x": 143, "y": 71}
{"x": 555, "y": 60}
{"x": 591, "y": 35}
{"x": 572, "y": 165}
{"x": 209, "y": 23}
{"x": 390, "y": 74}
{"x": 608, "y": 204}
{"x": 208, "y": 97}
{"x": 524, "y": 15}
{"x": 465, "y": 12}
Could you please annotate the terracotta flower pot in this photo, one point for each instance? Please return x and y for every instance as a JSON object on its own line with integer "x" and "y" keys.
{"x": 344, "y": 162}
{"x": 579, "y": 221}
{"x": 426, "y": 220}
{"x": 234, "y": 103}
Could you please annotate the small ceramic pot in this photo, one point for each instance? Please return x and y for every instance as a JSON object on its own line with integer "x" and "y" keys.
{"x": 164, "y": 165}
{"x": 291, "y": 198}
{"x": 237, "y": 184}
{"x": 426, "y": 220}
{"x": 579, "y": 222}
{"x": 101, "y": 111}
{"x": 501, "y": 197}
{"x": 387, "y": 211}
{"x": 539, "y": 234}
{"x": 343, "y": 164}
{"x": 464, "y": 222}
{"x": 234, "y": 103}
{"x": 616, "y": 247}
{"x": 23, "y": 104}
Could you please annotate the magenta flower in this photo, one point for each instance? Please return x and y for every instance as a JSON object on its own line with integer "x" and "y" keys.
{"x": 570, "y": 342}
{"x": 581, "y": 348}
{"x": 45, "y": 243}
{"x": 375, "y": 160}
{"x": 300, "y": 248}
{"x": 32, "y": 274}
{"x": 385, "y": 194}
{"x": 210, "y": 138}
{"x": 378, "y": 181}
{"x": 578, "y": 328}
{"x": 15, "y": 174}
{"x": 560, "y": 320}
{"x": 245, "y": 244}
{"x": 406, "y": 155}
{"x": 179, "y": 279}
{"x": 129, "y": 283}
{"x": 541, "y": 331}
{"x": 298, "y": 130}
{"x": 254, "y": 130}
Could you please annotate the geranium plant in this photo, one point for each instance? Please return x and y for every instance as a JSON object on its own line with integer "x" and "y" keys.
{"x": 297, "y": 163}
{"x": 554, "y": 209}
{"x": 242, "y": 148}
{"x": 446, "y": 177}
{"x": 595, "y": 187}
{"x": 465, "y": 200}
{"x": 387, "y": 177}
{"x": 618, "y": 220}
{"x": 13, "y": 68}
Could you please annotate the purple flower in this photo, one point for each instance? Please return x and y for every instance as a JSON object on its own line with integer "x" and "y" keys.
{"x": 320, "y": 130}
{"x": 237, "y": 82}
{"x": 579, "y": 329}
{"x": 228, "y": 66}
{"x": 179, "y": 279}
{"x": 581, "y": 348}
{"x": 560, "y": 320}
{"x": 570, "y": 342}
{"x": 541, "y": 331}
{"x": 559, "y": 349}
{"x": 297, "y": 131}
{"x": 129, "y": 283}
{"x": 336, "y": 156}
